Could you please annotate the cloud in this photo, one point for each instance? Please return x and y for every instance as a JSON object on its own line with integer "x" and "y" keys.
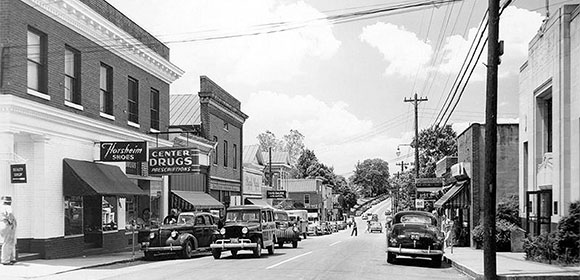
{"x": 517, "y": 28}
{"x": 331, "y": 130}
{"x": 404, "y": 52}
{"x": 245, "y": 59}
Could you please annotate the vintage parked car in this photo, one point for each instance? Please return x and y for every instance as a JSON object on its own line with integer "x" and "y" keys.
{"x": 192, "y": 233}
{"x": 286, "y": 232}
{"x": 300, "y": 219}
{"x": 415, "y": 234}
{"x": 341, "y": 224}
{"x": 247, "y": 227}
{"x": 376, "y": 227}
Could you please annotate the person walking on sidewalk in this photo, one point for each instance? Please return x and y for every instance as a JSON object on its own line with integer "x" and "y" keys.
{"x": 7, "y": 231}
{"x": 354, "y": 229}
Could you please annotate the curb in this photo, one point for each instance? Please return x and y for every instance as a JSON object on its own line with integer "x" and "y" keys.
{"x": 100, "y": 265}
{"x": 463, "y": 269}
{"x": 552, "y": 276}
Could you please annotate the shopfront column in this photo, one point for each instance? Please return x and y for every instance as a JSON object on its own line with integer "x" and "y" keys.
{"x": 6, "y": 158}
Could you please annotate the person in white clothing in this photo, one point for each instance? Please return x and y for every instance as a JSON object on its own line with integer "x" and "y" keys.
{"x": 7, "y": 231}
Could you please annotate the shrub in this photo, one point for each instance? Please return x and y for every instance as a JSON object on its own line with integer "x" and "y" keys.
{"x": 542, "y": 248}
{"x": 561, "y": 246}
{"x": 508, "y": 209}
{"x": 503, "y": 229}
{"x": 569, "y": 235}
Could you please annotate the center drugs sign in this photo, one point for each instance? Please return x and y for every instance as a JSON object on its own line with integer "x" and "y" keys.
{"x": 164, "y": 161}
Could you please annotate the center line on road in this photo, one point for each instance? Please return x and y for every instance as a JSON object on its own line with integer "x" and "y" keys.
{"x": 334, "y": 243}
{"x": 290, "y": 259}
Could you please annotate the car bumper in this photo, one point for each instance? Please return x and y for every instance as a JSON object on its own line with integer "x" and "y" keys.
{"x": 146, "y": 248}
{"x": 414, "y": 252}
{"x": 226, "y": 244}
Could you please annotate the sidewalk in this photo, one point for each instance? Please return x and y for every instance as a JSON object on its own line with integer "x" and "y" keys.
{"x": 509, "y": 265}
{"x": 41, "y": 268}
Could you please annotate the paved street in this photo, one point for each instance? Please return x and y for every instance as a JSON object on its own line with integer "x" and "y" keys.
{"x": 336, "y": 256}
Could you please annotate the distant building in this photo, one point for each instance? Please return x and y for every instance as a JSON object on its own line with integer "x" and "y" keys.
{"x": 253, "y": 184}
{"x": 280, "y": 168}
{"x": 216, "y": 116}
{"x": 315, "y": 197}
{"x": 549, "y": 115}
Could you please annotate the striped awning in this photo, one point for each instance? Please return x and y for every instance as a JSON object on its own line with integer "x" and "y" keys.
{"x": 451, "y": 194}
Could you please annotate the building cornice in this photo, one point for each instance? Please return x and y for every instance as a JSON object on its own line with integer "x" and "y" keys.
{"x": 23, "y": 115}
{"x": 87, "y": 22}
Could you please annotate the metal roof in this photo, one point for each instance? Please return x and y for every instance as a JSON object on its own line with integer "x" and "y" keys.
{"x": 184, "y": 109}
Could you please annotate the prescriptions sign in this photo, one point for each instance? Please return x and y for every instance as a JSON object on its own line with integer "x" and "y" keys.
{"x": 163, "y": 161}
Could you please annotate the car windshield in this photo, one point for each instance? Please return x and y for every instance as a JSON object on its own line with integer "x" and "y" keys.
{"x": 243, "y": 216}
{"x": 185, "y": 219}
{"x": 280, "y": 217}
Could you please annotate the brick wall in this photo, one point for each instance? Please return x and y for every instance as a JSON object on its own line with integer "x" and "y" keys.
{"x": 92, "y": 55}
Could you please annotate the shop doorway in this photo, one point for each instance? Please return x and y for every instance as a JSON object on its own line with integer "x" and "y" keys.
{"x": 538, "y": 211}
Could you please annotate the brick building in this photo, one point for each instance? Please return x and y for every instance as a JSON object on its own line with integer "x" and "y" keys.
{"x": 216, "y": 116}
{"x": 73, "y": 74}
{"x": 316, "y": 197}
{"x": 464, "y": 198}
{"x": 549, "y": 115}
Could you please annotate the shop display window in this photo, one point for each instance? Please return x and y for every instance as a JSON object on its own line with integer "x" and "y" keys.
{"x": 73, "y": 215}
{"x": 109, "y": 213}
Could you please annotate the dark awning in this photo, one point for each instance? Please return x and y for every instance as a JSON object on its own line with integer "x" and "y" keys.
{"x": 450, "y": 194}
{"x": 257, "y": 201}
{"x": 84, "y": 178}
{"x": 198, "y": 200}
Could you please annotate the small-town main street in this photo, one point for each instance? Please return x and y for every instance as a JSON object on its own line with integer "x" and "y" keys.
{"x": 335, "y": 256}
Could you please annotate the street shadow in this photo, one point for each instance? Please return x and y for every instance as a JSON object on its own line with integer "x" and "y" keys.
{"x": 417, "y": 262}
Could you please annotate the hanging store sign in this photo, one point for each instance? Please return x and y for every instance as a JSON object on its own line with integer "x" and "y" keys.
{"x": 17, "y": 173}
{"x": 123, "y": 151}
{"x": 164, "y": 161}
{"x": 419, "y": 203}
{"x": 276, "y": 194}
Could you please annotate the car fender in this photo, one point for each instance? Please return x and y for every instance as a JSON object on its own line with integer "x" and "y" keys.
{"x": 188, "y": 236}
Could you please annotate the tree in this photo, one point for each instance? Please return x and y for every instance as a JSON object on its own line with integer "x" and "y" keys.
{"x": 402, "y": 186}
{"x": 268, "y": 140}
{"x": 434, "y": 144}
{"x": 294, "y": 145}
{"x": 373, "y": 176}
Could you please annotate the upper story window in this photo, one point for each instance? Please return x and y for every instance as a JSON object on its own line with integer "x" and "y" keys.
{"x": 154, "y": 108}
{"x": 133, "y": 100}
{"x": 106, "y": 92}
{"x": 72, "y": 67}
{"x": 226, "y": 126}
{"x": 36, "y": 61}
{"x": 306, "y": 199}
{"x": 215, "y": 157}
{"x": 235, "y": 150}
{"x": 225, "y": 153}
{"x": 548, "y": 124}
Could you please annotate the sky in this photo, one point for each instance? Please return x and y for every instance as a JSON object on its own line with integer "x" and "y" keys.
{"x": 342, "y": 84}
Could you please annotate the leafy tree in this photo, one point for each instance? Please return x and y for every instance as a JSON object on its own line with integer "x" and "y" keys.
{"x": 434, "y": 144}
{"x": 402, "y": 186}
{"x": 268, "y": 140}
{"x": 373, "y": 176}
{"x": 294, "y": 144}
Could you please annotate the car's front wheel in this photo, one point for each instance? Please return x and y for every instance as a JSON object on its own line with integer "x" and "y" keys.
{"x": 271, "y": 249}
{"x": 280, "y": 244}
{"x": 234, "y": 253}
{"x": 258, "y": 249}
{"x": 294, "y": 244}
{"x": 216, "y": 253}
{"x": 187, "y": 252}
{"x": 149, "y": 256}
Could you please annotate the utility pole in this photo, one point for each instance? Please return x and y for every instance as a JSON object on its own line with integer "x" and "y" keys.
{"x": 270, "y": 165}
{"x": 403, "y": 165}
{"x": 489, "y": 192}
{"x": 416, "y": 101}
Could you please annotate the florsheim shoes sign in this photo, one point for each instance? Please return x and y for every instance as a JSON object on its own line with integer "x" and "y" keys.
{"x": 123, "y": 151}
{"x": 163, "y": 161}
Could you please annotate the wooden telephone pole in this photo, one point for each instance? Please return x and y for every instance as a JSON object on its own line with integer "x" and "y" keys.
{"x": 489, "y": 192}
{"x": 416, "y": 101}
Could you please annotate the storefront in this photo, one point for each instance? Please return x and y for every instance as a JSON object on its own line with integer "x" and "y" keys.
{"x": 455, "y": 204}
